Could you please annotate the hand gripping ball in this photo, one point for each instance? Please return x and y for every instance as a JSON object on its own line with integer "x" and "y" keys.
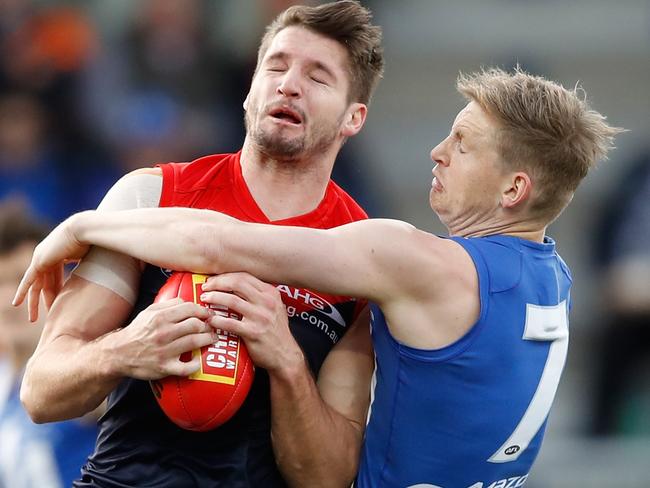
{"x": 210, "y": 396}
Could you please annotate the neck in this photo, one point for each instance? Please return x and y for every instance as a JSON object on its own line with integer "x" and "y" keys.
{"x": 524, "y": 229}
{"x": 285, "y": 188}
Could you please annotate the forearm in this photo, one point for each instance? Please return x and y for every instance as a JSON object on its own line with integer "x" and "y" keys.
{"x": 174, "y": 238}
{"x": 75, "y": 364}
{"x": 67, "y": 378}
{"x": 314, "y": 445}
{"x": 209, "y": 242}
{"x": 186, "y": 239}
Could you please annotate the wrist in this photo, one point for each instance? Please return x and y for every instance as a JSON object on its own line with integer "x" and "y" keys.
{"x": 112, "y": 366}
{"x": 292, "y": 366}
{"x": 75, "y": 227}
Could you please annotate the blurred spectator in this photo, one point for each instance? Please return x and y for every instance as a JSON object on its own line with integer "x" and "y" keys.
{"x": 625, "y": 259}
{"x": 29, "y": 169}
{"x": 30, "y": 455}
{"x": 35, "y": 169}
{"x": 42, "y": 51}
{"x": 45, "y": 148}
{"x": 166, "y": 91}
{"x": 170, "y": 49}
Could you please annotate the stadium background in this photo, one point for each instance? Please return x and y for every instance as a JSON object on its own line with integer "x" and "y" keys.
{"x": 109, "y": 88}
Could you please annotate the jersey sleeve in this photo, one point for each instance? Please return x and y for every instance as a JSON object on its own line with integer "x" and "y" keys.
{"x": 118, "y": 272}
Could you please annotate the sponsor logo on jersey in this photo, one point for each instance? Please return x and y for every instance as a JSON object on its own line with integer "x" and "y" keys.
{"x": 513, "y": 482}
{"x": 315, "y": 310}
{"x": 512, "y": 450}
{"x": 307, "y": 300}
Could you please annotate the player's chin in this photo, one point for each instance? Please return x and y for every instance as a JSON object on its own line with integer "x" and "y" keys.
{"x": 433, "y": 199}
{"x": 436, "y": 204}
{"x": 283, "y": 147}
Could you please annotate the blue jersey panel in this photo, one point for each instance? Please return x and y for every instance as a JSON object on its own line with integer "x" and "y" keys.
{"x": 473, "y": 413}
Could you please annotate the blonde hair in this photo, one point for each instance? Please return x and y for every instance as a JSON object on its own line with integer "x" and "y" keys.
{"x": 544, "y": 129}
{"x": 348, "y": 23}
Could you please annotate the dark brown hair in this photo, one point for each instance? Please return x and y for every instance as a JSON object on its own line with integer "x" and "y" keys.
{"x": 348, "y": 23}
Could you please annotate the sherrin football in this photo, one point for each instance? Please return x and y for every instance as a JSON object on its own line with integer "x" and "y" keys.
{"x": 210, "y": 396}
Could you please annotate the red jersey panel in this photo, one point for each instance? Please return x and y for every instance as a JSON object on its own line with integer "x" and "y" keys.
{"x": 215, "y": 182}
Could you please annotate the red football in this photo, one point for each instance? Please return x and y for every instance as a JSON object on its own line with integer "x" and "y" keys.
{"x": 210, "y": 396}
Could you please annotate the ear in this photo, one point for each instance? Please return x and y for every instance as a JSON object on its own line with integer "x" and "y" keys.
{"x": 518, "y": 191}
{"x": 354, "y": 119}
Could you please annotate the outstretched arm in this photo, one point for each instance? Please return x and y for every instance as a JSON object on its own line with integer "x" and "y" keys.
{"x": 365, "y": 259}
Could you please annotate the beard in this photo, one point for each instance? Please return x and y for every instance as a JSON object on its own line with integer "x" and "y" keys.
{"x": 276, "y": 145}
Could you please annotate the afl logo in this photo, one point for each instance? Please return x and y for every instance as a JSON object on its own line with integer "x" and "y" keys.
{"x": 512, "y": 450}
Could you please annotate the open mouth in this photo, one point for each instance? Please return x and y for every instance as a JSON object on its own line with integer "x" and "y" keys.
{"x": 286, "y": 114}
{"x": 436, "y": 185}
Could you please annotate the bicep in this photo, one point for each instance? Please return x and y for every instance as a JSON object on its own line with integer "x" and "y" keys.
{"x": 85, "y": 311}
{"x": 363, "y": 259}
{"x": 387, "y": 261}
{"x": 344, "y": 378}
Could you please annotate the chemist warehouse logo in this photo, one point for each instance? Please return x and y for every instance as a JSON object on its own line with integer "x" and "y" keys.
{"x": 303, "y": 303}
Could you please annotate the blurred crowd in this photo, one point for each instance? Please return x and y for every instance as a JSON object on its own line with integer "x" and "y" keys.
{"x": 82, "y": 104}
{"x": 79, "y": 109}
{"x": 622, "y": 256}
{"x": 30, "y": 455}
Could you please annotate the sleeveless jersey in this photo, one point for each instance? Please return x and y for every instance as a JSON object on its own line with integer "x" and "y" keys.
{"x": 137, "y": 444}
{"x": 473, "y": 414}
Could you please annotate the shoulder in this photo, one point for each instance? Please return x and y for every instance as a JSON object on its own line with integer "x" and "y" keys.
{"x": 137, "y": 189}
{"x": 429, "y": 286}
{"x": 443, "y": 263}
{"x": 200, "y": 173}
{"x": 145, "y": 171}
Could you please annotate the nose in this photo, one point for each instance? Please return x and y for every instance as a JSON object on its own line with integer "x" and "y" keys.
{"x": 290, "y": 84}
{"x": 439, "y": 155}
